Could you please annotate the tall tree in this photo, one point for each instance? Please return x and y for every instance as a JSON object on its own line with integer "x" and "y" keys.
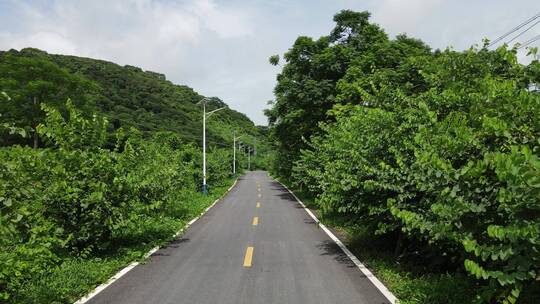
{"x": 308, "y": 88}
{"x": 30, "y": 81}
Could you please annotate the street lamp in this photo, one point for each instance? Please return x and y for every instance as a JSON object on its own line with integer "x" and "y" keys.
{"x": 234, "y": 151}
{"x": 205, "y": 116}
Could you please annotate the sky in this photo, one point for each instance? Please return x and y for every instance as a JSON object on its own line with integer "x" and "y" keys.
{"x": 221, "y": 47}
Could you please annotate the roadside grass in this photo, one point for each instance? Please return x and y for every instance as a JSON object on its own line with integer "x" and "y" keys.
{"x": 77, "y": 276}
{"x": 408, "y": 281}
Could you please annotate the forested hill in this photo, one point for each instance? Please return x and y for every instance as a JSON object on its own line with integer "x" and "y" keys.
{"x": 126, "y": 95}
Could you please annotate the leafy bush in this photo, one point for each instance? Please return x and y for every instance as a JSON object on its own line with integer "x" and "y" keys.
{"x": 28, "y": 240}
{"x": 453, "y": 168}
{"x": 78, "y": 198}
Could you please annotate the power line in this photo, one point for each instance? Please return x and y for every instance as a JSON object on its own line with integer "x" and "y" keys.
{"x": 514, "y": 29}
{"x": 528, "y": 42}
{"x": 523, "y": 32}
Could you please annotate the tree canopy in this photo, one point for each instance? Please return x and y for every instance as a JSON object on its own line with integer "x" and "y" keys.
{"x": 435, "y": 150}
{"x": 126, "y": 95}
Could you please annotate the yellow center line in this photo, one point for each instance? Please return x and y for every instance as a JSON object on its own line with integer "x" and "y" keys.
{"x": 256, "y": 221}
{"x": 258, "y": 205}
{"x": 248, "y": 257}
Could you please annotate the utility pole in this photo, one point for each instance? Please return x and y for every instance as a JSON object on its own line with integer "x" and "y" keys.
{"x": 234, "y": 151}
{"x": 205, "y": 116}
{"x": 204, "y": 187}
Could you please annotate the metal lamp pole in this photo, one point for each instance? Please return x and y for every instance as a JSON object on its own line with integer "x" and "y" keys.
{"x": 204, "y": 187}
{"x": 234, "y": 151}
{"x": 205, "y": 116}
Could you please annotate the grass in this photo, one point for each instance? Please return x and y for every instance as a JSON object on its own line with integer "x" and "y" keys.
{"x": 77, "y": 276}
{"x": 409, "y": 282}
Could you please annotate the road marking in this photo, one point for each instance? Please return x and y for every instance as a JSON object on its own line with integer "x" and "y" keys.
{"x": 248, "y": 257}
{"x": 258, "y": 205}
{"x": 256, "y": 221}
{"x": 260, "y": 195}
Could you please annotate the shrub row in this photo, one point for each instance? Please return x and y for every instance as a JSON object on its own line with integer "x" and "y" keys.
{"x": 75, "y": 197}
{"x": 452, "y": 171}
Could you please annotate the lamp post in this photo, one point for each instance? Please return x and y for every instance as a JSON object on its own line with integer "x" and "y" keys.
{"x": 234, "y": 151}
{"x": 205, "y": 116}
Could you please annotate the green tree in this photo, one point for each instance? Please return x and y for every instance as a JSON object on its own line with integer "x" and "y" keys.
{"x": 33, "y": 81}
{"x": 311, "y": 82}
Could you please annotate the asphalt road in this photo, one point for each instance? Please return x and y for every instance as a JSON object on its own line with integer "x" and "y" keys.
{"x": 230, "y": 257}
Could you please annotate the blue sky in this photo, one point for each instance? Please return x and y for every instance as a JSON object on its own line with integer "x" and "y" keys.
{"x": 221, "y": 48}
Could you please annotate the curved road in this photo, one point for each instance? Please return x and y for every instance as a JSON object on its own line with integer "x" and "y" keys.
{"x": 257, "y": 245}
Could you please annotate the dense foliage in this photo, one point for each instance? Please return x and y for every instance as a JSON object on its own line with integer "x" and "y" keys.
{"x": 119, "y": 165}
{"x": 79, "y": 198}
{"x": 439, "y": 150}
{"x": 126, "y": 95}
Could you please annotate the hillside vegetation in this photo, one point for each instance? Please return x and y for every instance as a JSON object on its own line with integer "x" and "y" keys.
{"x": 98, "y": 164}
{"x": 434, "y": 152}
{"x": 126, "y": 95}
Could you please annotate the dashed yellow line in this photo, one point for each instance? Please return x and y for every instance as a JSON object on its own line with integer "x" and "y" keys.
{"x": 258, "y": 205}
{"x": 248, "y": 257}
{"x": 256, "y": 221}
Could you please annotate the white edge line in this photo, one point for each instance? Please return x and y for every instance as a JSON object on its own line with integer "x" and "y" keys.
{"x": 126, "y": 269}
{"x": 101, "y": 287}
{"x": 378, "y": 284}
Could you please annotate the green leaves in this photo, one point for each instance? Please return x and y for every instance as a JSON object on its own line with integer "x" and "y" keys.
{"x": 4, "y": 96}
{"x": 442, "y": 147}
{"x": 75, "y": 132}
{"x": 80, "y": 199}
{"x": 274, "y": 60}
{"x": 308, "y": 86}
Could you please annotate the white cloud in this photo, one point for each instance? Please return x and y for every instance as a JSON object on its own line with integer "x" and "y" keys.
{"x": 50, "y": 41}
{"x": 165, "y": 36}
{"x": 404, "y": 16}
{"x": 115, "y": 29}
{"x": 226, "y": 23}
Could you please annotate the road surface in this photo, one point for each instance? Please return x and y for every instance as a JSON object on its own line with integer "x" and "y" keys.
{"x": 257, "y": 245}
